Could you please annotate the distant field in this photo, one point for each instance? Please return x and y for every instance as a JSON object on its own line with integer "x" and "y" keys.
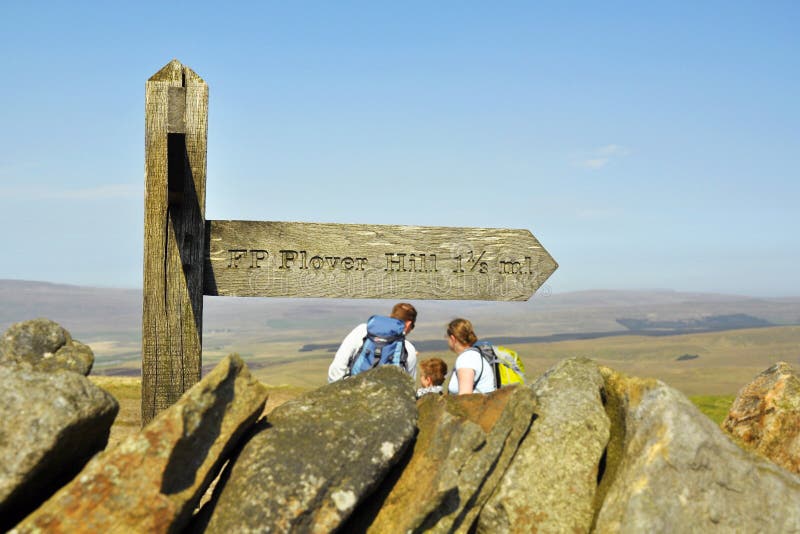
{"x": 725, "y": 361}
{"x": 269, "y": 333}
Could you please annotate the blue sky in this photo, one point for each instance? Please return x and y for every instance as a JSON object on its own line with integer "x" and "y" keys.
{"x": 647, "y": 145}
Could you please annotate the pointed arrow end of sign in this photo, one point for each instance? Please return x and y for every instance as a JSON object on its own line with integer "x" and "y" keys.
{"x": 546, "y": 266}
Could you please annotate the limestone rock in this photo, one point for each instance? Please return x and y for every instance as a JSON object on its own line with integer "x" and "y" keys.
{"x": 551, "y": 485}
{"x": 50, "y": 425}
{"x": 318, "y": 456}
{"x": 74, "y": 356}
{"x": 765, "y": 416}
{"x": 464, "y": 446}
{"x": 152, "y": 481}
{"x": 505, "y": 425}
{"x": 443, "y": 442}
{"x": 44, "y": 345}
{"x": 676, "y": 471}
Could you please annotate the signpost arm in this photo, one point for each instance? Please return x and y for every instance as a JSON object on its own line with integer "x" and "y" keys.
{"x": 176, "y": 124}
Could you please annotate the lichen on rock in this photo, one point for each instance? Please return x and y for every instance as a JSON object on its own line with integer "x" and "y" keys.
{"x": 765, "y": 417}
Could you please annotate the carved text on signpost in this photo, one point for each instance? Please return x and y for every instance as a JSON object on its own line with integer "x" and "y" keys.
{"x": 260, "y": 258}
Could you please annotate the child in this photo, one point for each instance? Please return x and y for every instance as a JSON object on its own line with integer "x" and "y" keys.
{"x": 432, "y": 373}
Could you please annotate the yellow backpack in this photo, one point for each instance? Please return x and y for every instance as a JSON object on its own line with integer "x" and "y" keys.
{"x": 510, "y": 369}
{"x": 507, "y": 365}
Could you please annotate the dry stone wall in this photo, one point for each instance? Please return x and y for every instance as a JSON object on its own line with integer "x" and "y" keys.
{"x": 581, "y": 449}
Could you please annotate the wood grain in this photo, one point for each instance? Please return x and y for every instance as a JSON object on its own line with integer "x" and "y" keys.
{"x": 286, "y": 259}
{"x": 176, "y": 118}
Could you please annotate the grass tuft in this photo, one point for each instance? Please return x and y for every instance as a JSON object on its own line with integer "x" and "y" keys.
{"x": 716, "y": 407}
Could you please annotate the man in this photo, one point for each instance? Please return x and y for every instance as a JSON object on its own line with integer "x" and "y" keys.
{"x": 351, "y": 345}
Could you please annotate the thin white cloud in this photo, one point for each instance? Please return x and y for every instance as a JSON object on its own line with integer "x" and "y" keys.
{"x": 613, "y": 150}
{"x": 600, "y": 157}
{"x": 595, "y": 163}
{"x": 42, "y": 192}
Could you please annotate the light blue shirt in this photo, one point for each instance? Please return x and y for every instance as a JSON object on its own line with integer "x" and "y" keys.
{"x": 472, "y": 359}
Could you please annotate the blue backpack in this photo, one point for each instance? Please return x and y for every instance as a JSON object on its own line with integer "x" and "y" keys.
{"x": 383, "y": 344}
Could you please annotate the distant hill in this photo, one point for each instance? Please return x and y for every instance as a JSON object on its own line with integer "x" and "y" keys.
{"x": 84, "y": 311}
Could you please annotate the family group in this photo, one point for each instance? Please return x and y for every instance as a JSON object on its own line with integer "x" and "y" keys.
{"x": 382, "y": 340}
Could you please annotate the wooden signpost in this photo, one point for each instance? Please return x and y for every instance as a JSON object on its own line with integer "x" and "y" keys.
{"x": 186, "y": 256}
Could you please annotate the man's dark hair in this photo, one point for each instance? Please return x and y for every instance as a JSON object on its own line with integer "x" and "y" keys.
{"x": 404, "y": 312}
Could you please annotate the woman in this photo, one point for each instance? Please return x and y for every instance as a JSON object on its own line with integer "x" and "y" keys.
{"x": 472, "y": 373}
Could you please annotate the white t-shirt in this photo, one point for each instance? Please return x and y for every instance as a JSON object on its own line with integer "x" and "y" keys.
{"x": 350, "y": 346}
{"x": 472, "y": 359}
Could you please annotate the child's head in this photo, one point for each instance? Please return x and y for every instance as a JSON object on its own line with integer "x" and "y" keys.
{"x": 434, "y": 370}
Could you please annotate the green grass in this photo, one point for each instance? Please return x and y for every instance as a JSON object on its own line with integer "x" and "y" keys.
{"x": 716, "y": 407}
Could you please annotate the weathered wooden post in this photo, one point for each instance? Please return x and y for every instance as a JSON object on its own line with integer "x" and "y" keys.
{"x": 176, "y": 122}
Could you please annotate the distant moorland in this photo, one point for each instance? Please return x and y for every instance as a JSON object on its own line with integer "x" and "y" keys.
{"x": 702, "y": 344}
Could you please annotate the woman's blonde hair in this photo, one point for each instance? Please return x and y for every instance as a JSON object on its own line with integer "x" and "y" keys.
{"x": 462, "y": 330}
